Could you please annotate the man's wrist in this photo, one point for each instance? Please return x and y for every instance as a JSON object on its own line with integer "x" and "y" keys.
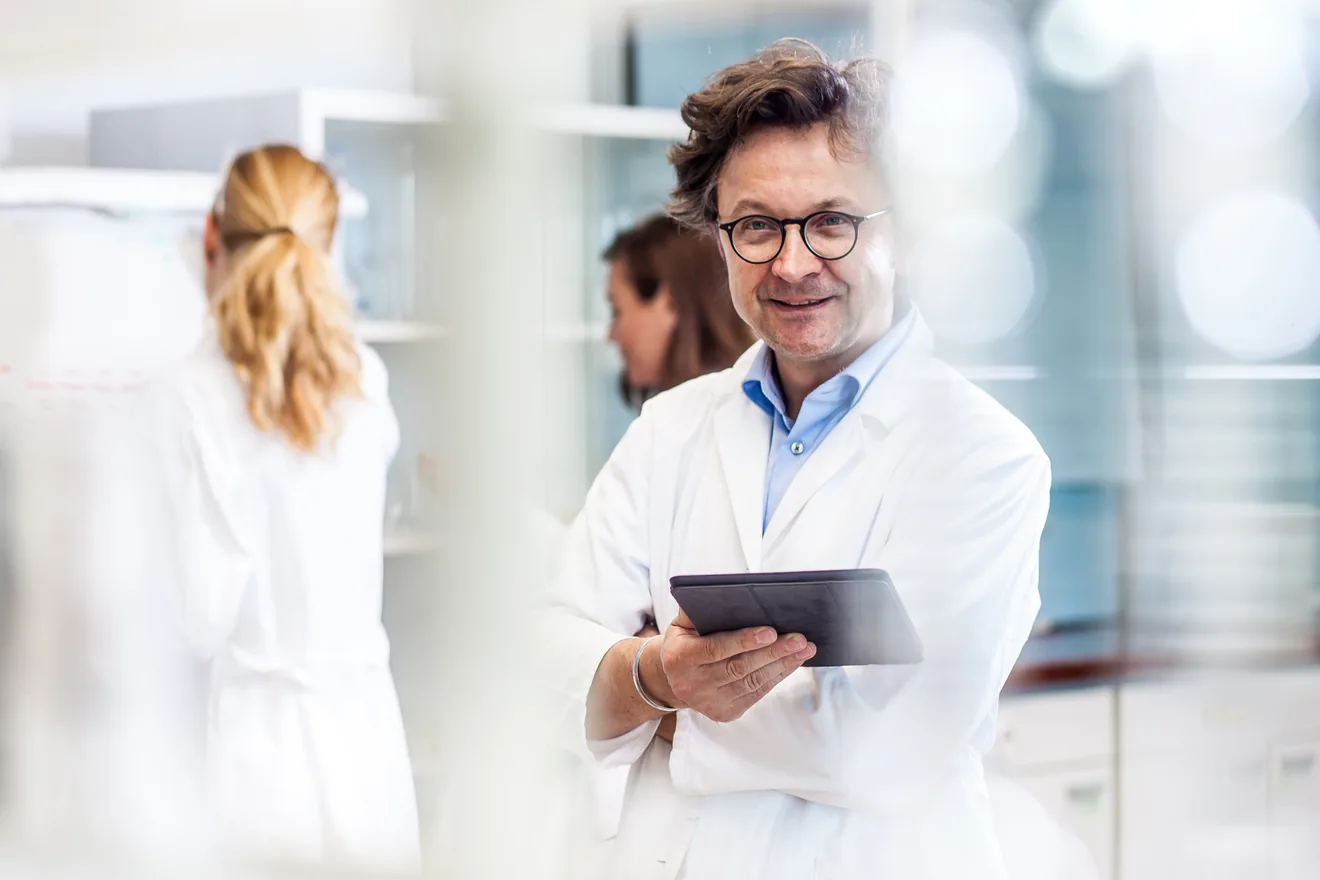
{"x": 652, "y": 674}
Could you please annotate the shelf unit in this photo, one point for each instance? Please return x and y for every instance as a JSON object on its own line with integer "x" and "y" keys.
{"x": 366, "y": 105}
{"x": 610, "y": 121}
{"x": 134, "y": 192}
{"x": 378, "y": 141}
{"x": 1002, "y": 373}
{"x": 376, "y": 332}
{"x": 577, "y": 332}
{"x": 192, "y": 130}
{"x": 404, "y": 542}
{"x": 384, "y": 108}
{"x": 127, "y": 190}
{"x": 1253, "y": 372}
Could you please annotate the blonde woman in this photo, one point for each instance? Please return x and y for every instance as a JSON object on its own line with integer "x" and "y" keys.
{"x": 278, "y": 432}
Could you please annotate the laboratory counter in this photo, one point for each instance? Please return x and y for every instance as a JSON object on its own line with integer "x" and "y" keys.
{"x": 1096, "y": 654}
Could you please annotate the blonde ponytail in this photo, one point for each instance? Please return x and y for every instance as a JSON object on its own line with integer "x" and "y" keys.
{"x": 282, "y": 321}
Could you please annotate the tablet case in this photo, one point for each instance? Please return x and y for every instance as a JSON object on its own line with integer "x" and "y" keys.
{"x": 853, "y": 616}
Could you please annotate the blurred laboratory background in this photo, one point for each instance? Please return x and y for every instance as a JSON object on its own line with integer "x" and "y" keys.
{"x": 1108, "y": 212}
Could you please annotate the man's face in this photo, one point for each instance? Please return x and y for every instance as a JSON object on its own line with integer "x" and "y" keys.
{"x": 808, "y": 310}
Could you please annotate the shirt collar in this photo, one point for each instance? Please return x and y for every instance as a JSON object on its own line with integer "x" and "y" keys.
{"x": 846, "y": 386}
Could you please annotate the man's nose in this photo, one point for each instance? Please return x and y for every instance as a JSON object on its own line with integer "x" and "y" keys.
{"x": 795, "y": 260}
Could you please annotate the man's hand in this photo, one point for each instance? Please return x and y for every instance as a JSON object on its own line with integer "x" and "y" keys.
{"x": 724, "y": 674}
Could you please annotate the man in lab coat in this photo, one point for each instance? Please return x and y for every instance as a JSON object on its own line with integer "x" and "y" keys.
{"x": 836, "y": 442}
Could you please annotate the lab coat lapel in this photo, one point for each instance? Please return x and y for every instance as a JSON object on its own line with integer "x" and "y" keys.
{"x": 837, "y": 451}
{"x": 742, "y": 436}
{"x": 861, "y": 433}
{"x": 901, "y": 382}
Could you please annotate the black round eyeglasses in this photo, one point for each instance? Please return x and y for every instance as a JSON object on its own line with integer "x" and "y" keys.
{"x": 830, "y": 235}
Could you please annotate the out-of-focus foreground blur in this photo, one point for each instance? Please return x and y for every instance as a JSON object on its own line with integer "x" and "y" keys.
{"x": 1109, "y": 218}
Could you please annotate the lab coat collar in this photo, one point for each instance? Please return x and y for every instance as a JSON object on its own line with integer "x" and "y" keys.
{"x": 888, "y": 397}
{"x": 742, "y": 431}
{"x": 742, "y": 438}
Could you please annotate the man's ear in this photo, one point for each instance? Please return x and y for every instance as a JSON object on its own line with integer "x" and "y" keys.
{"x": 719, "y": 239}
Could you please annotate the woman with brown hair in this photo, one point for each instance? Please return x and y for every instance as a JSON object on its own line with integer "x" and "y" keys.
{"x": 672, "y": 317}
{"x": 277, "y": 434}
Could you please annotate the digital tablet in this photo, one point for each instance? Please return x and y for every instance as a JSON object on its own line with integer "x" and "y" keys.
{"x": 853, "y": 616}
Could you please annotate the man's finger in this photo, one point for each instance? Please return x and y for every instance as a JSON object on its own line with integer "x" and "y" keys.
{"x": 682, "y": 620}
{"x": 739, "y": 666}
{"x": 762, "y": 681}
{"x": 718, "y": 647}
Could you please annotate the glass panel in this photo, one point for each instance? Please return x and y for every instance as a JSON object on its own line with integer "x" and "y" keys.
{"x": 379, "y": 250}
{"x": 673, "y": 55}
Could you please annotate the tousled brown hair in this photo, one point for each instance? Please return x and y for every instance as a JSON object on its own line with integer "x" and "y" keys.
{"x": 790, "y": 84}
{"x": 282, "y": 321}
{"x": 708, "y": 335}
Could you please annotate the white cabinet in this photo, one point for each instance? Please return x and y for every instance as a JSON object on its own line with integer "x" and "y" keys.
{"x": 371, "y": 139}
{"x": 1081, "y": 798}
{"x": 1212, "y": 776}
{"x": 1048, "y": 729}
{"x": 1057, "y": 748}
{"x": 1292, "y": 766}
{"x": 1220, "y": 776}
{"x": 1192, "y": 779}
{"x": 1293, "y": 769}
{"x": 1192, "y": 812}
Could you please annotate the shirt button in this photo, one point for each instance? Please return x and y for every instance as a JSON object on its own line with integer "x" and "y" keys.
{"x": 797, "y": 447}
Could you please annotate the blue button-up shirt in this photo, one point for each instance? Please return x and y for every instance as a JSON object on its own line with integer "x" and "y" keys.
{"x": 793, "y": 440}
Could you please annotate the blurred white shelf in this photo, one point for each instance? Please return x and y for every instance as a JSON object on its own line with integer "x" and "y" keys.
{"x": 202, "y": 135}
{"x": 590, "y": 120}
{"x": 108, "y": 189}
{"x": 582, "y": 331}
{"x": 365, "y": 105}
{"x": 391, "y": 108}
{"x": 613, "y": 120}
{"x": 1006, "y": 373}
{"x": 383, "y": 332}
{"x": 125, "y": 190}
{"x": 409, "y": 542}
{"x": 1253, "y": 372}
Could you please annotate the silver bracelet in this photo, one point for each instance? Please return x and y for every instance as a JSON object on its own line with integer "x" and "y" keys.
{"x": 637, "y": 679}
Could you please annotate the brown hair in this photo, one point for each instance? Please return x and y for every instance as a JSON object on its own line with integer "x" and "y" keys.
{"x": 790, "y": 84}
{"x": 282, "y": 320}
{"x": 708, "y": 335}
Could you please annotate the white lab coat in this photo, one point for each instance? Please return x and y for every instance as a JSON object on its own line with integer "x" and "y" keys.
{"x": 866, "y": 772}
{"x": 276, "y": 570}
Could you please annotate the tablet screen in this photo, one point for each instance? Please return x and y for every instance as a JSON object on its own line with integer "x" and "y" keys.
{"x": 853, "y": 616}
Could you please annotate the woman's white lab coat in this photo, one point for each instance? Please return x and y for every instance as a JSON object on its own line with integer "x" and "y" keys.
{"x": 276, "y": 579}
{"x": 856, "y": 772}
